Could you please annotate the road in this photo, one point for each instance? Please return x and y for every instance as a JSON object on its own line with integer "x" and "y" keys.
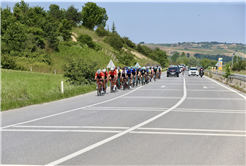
{"x": 173, "y": 121}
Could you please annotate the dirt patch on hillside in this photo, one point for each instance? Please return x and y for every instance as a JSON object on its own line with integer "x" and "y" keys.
{"x": 73, "y": 38}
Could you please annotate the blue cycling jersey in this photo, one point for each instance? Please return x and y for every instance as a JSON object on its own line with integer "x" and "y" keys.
{"x": 129, "y": 72}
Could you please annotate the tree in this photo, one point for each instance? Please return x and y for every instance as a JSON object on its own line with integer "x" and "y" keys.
{"x": 188, "y": 55}
{"x": 193, "y": 61}
{"x": 113, "y": 28}
{"x": 55, "y": 12}
{"x": 15, "y": 38}
{"x": 175, "y": 56}
{"x": 73, "y": 15}
{"x": 183, "y": 54}
{"x": 22, "y": 6}
{"x": 205, "y": 62}
{"x": 93, "y": 15}
{"x": 65, "y": 29}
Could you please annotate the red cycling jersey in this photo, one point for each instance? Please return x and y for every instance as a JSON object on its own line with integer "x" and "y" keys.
{"x": 112, "y": 73}
{"x": 99, "y": 75}
{"x": 106, "y": 74}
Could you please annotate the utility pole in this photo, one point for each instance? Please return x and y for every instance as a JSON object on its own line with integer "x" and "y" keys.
{"x": 232, "y": 58}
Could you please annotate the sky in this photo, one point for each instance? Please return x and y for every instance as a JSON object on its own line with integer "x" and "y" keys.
{"x": 164, "y": 21}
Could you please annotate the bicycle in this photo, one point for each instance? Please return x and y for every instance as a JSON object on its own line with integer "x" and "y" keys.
{"x": 100, "y": 87}
{"x": 112, "y": 82}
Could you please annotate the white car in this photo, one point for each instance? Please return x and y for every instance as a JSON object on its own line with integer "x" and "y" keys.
{"x": 193, "y": 71}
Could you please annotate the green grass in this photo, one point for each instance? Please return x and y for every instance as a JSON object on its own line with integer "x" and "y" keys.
{"x": 22, "y": 88}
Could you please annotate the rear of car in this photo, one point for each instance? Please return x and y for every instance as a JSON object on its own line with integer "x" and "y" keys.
{"x": 173, "y": 71}
{"x": 193, "y": 71}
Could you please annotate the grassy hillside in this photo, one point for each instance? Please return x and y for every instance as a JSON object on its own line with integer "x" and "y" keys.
{"x": 70, "y": 49}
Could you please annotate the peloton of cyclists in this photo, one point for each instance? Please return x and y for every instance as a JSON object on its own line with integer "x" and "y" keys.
{"x": 128, "y": 76}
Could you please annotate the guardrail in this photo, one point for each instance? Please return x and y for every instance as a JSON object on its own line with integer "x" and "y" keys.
{"x": 238, "y": 80}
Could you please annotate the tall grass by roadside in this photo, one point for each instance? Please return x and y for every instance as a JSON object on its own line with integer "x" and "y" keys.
{"x": 22, "y": 88}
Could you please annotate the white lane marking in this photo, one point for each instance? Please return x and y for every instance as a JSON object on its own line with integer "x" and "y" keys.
{"x": 199, "y": 134}
{"x": 205, "y": 87}
{"x": 201, "y": 130}
{"x": 74, "y": 127}
{"x": 141, "y": 128}
{"x": 150, "y": 109}
{"x": 149, "y": 97}
{"x": 163, "y": 89}
{"x": 162, "y": 86}
{"x": 76, "y": 109}
{"x": 133, "y": 132}
{"x": 68, "y": 157}
{"x": 188, "y": 98}
{"x": 73, "y": 131}
{"x": 207, "y": 109}
{"x": 205, "y": 98}
{"x": 243, "y": 96}
{"x": 220, "y": 112}
{"x": 207, "y": 90}
{"x": 18, "y": 165}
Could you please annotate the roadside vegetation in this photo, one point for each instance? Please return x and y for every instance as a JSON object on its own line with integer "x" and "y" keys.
{"x": 23, "y": 88}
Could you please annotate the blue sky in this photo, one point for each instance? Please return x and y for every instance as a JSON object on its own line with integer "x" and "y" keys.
{"x": 169, "y": 22}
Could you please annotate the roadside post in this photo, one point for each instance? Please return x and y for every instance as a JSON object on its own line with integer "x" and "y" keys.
{"x": 62, "y": 87}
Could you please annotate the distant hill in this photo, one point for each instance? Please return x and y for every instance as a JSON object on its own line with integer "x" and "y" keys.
{"x": 201, "y": 48}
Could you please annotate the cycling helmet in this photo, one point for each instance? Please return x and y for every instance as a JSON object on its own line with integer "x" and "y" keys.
{"x": 112, "y": 68}
{"x": 123, "y": 68}
{"x": 99, "y": 71}
{"x": 104, "y": 70}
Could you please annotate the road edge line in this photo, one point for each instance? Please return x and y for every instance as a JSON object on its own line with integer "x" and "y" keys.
{"x": 226, "y": 87}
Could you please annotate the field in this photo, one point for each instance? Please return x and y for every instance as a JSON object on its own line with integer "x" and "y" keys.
{"x": 22, "y": 88}
{"x": 192, "y": 51}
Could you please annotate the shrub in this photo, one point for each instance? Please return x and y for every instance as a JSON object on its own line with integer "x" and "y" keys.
{"x": 79, "y": 71}
{"x": 115, "y": 41}
{"x": 100, "y": 31}
{"x": 129, "y": 43}
{"x": 86, "y": 39}
{"x": 7, "y": 62}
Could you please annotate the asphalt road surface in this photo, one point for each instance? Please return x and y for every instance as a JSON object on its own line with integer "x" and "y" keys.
{"x": 173, "y": 121}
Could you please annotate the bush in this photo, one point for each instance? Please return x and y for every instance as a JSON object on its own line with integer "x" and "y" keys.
{"x": 100, "y": 31}
{"x": 86, "y": 39}
{"x": 7, "y": 62}
{"x": 129, "y": 43}
{"x": 79, "y": 71}
{"x": 115, "y": 41}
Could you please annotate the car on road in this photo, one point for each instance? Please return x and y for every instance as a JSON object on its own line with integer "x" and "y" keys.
{"x": 173, "y": 71}
{"x": 193, "y": 71}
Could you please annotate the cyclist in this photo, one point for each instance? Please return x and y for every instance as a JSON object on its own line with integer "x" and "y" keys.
{"x": 119, "y": 78}
{"x": 155, "y": 72}
{"x": 99, "y": 76}
{"x": 160, "y": 70}
{"x": 129, "y": 75}
{"x": 134, "y": 74}
{"x": 106, "y": 77}
{"x": 123, "y": 75}
{"x": 143, "y": 72}
{"x": 112, "y": 76}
